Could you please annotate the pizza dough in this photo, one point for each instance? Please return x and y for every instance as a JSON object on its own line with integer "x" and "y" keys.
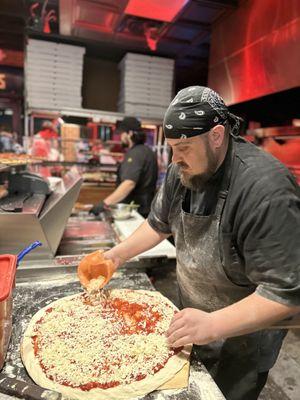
{"x": 87, "y": 352}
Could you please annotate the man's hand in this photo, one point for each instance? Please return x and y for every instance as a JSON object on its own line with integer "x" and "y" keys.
{"x": 94, "y": 265}
{"x": 98, "y": 208}
{"x": 246, "y": 316}
{"x": 113, "y": 255}
{"x": 191, "y": 326}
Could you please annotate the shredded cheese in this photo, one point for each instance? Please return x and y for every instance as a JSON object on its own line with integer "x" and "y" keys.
{"x": 95, "y": 284}
{"x": 79, "y": 343}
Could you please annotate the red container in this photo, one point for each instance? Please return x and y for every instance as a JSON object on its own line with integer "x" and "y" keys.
{"x": 8, "y": 265}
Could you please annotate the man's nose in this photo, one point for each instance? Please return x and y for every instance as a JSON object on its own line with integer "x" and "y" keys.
{"x": 175, "y": 157}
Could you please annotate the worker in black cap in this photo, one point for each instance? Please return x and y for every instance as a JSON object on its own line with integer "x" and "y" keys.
{"x": 234, "y": 212}
{"x": 137, "y": 174}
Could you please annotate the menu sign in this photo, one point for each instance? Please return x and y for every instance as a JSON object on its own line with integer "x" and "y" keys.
{"x": 11, "y": 81}
{"x": 2, "y": 81}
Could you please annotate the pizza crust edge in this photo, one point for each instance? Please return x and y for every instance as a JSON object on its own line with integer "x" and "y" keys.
{"x": 121, "y": 392}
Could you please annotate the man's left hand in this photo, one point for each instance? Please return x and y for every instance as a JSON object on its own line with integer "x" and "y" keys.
{"x": 98, "y": 208}
{"x": 191, "y": 326}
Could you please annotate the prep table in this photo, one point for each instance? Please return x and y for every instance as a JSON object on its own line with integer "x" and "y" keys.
{"x": 125, "y": 228}
{"x": 30, "y": 295}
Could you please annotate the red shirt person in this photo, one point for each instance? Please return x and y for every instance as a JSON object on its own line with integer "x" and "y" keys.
{"x": 48, "y": 131}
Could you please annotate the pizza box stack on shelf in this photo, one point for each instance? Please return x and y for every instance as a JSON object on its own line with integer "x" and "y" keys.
{"x": 53, "y": 74}
{"x": 70, "y": 134}
{"x": 146, "y": 85}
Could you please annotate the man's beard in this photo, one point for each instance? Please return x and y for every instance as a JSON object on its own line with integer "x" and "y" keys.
{"x": 198, "y": 182}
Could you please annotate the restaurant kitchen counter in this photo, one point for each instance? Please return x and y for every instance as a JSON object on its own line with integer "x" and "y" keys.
{"x": 125, "y": 228}
{"x": 32, "y": 294}
{"x": 84, "y": 234}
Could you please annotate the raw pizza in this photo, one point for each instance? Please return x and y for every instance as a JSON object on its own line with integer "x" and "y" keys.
{"x": 113, "y": 349}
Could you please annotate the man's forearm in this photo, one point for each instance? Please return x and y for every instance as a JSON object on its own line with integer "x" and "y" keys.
{"x": 143, "y": 239}
{"x": 120, "y": 192}
{"x": 249, "y": 315}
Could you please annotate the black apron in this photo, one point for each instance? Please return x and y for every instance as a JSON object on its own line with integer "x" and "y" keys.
{"x": 203, "y": 284}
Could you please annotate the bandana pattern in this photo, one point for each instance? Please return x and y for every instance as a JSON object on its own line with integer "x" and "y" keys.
{"x": 194, "y": 111}
{"x": 215, "y": 101}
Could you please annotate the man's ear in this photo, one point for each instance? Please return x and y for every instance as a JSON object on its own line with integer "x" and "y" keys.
{"x": 217, "y": 136}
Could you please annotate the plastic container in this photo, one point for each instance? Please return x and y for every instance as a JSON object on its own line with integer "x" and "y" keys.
{"x": 8, "y": 265}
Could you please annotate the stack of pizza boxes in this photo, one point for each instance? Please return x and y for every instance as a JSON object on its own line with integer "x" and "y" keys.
{"x": 53, "y": 75}
{"x": 146, "y": 85}
{"x": 70, "y": 134}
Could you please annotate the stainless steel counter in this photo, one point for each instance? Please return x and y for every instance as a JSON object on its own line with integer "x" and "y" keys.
{"x": 34, "y": 291}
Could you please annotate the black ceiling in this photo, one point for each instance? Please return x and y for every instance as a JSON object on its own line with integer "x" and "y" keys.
{"x": 12, "y": 24}
{"x": 186, "y": 38}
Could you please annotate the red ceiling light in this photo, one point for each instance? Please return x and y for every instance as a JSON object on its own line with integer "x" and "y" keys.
{"x": 165, "y": 10}
{"x": 151, "y": 35}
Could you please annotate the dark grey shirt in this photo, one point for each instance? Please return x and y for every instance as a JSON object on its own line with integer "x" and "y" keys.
{"x": 140, "y": 166}
{"x": 260, "y": 225}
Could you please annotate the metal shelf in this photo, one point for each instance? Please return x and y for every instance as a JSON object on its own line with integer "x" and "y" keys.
{"x": 4, "y": 168}
{"x": 104, "y": 116}
{"x": 7, "y": 168}
{"x": 279, "y": 132}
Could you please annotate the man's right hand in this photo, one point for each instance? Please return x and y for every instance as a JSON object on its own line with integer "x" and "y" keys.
{"x": 114, "y": 257}
{"x": 95, "y": 265}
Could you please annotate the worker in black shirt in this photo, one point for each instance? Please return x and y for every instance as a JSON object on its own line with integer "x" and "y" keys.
{"x": 234, "y": 212}
{"x": 137, "y": 174}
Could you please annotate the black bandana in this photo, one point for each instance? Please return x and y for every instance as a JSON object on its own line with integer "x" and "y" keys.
{"x": 194, "y": 111}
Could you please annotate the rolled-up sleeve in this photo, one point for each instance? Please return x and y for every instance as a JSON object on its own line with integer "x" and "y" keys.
{"x": 160, "y": 207}
{"x": 272, "y": 249}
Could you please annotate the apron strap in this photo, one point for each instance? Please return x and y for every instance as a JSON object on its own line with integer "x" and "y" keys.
{"x": 221, "y": 203}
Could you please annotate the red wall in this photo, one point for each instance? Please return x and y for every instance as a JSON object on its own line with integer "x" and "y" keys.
{"x": 255, "y": 51}
{"x": 12, "y": 58}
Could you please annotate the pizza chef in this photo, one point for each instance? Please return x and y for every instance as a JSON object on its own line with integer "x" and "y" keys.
{"x": 234, "y": 213}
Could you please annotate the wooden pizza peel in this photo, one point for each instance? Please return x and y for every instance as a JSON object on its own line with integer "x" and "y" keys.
{"x": 180, "y": 380}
